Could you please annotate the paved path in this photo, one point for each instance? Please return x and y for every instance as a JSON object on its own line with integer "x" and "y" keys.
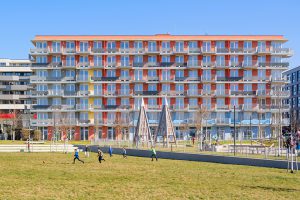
{"x": 280, "y": 164}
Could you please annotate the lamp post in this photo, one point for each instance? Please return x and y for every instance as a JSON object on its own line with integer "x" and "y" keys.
{"x": 234, "y": 133}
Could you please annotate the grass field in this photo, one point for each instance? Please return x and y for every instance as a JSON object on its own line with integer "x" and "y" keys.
{"x": 25, "y": 176}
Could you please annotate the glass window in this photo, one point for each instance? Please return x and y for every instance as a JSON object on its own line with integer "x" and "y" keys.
{"x": 70, "y": 45}
{"x": 56, "y": 46}
{"x": 179, "y": 87}
{"x": 247, "y": 44}
{"x": 98, "y": 61}
{"x": 234, "y": 87}
{"x": 98, "y": 45}
{"x": 165, "y": 75}
{"x": 138, "y": 44}
{"x": 70, "y": 60}
{"x": 124, "y": 45}
{"x": 206, "y": 46}
{"x": 138, "y": 59}
{"x": 152, "y": 73}
{"x": 83, "y": 46}
{"x": 152, "y": 46}
{"x": 138, "y": 74}
{"x": 165, "y": 45}
{"x": 179, "y": 46}
{"x": 111, "y": 45}
{"x": 152, "y": 87}
{"x": 234, "y": 44}
{"x": 179, "y": 73}
{"x": 220, "y": 44}
{"x": 193, "y": 44}
{"x": 234, "y": 73}
{"x": 124, "y": 60}
{"x": 111, "y": 73}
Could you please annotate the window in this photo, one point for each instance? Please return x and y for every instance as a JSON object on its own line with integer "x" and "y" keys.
{"x": 111, "y": 60}
{"x": 41, "y": 45}
{"x": 234, "y": 87}
{"x": 137, "y": 103}
{"x": 84, "y": 87}
{"x": 84, "y": 103}
{"x": 152, "y": 87}
{"x": 247, "y": 44}
{"x": 220, "y": 44}
{"x": 70, "y": 60}
{"x": 165, "y": 87}
{"x": 98, "y": 61}
{"x": 206, "y": 87}
{"x": 166, "y": 75}
{"x": 206, "y": 60}
{"x": 152, "y": 46}
{"x": 275, "y": 59}
{"x": 193, "y": 73}
{"x": 42, "y": 87}
{"x": 179, "y": 46}
{"x": 124, "y": 45}
{"x": 84, "y": 60}
{"x": 261, "y": 74}
{"x": 98, "y": 89}
{"x": 125, "y": 102}
{"x": 193, "y": 44}
{"x": 234, "y": 73}
{"x": 111, "y": 73}
{"x": 55, "y": 46}
{"x": 247, "y": 60}
{"x": 206, "y": 74}
{"x": 152, "y": 59}
{"x": 70, "y": 73}
{"x": 179, "y": 73}
{"x": 248, "y": 74}
{"x": 98, "y": 45}
{"x": 206, "y": 46}
{"x": 220, "y": 73}
{"x": 234, "y": 45}
{"x": 234, "y": 102}
{"x": 152, "y": 101}
{"x": 138, "y": 44}
{"x": 138, "y": 59}
{"x": 70, "y": 45}
{"x": 179, "y": 87}
{"x": 83, "y": 75}
{"x": 220, "y": 60}
{"x": 138, "y": 87}
{"x": 111, "y": 87}
{"x": 56, "y": 73}
{"x": 41, "y": 59}
{"x": 56, "y": 59}
{"x": 165, "y": 59}
{"x": 111, "y": 45}
{"x": 70, "y": 87}
{"x": 138, "y": 74}
{"x": 124, "y": 60}
{"x": 125, "y": 73}
{"x": 179, "y": 59}
{"x": 247, "y": 87}
{"x": 261, "y": 45}
{"x": 125, "y": 88}
{"x": 83, "y": 46}
{"x": 180, "y": 102}
{"x": 234, "y": 60}
{"x": 165, "y": 45}
{"x": 152, "y": 73}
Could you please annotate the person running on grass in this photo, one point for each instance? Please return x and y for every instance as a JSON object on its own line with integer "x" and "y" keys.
{"x": 124, "y": 153}
{"x": 110, "y": 150}
{"x": 153, "y": 154}
{"x": 76, "y": 156}
{"x": 87, "y": 151}
{"x": 100, "y": 156}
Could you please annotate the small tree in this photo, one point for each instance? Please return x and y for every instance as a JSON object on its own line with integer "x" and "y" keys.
{"x": 25, "y": 133}
{"x": 37, "y": 135}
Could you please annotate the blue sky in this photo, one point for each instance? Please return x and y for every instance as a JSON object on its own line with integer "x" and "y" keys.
{"x": 22, "y": 20}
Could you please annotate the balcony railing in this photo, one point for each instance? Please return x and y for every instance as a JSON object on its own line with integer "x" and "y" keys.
{"x": 98, "y": 50}
{"x": 222, "y": 92}
{"x": 194, "y": 50}
{"x": 69, "y": 50}
{"x": 222, "y": 50}
{"x": 273, "y": 64}
{"x": 39, "y": 51}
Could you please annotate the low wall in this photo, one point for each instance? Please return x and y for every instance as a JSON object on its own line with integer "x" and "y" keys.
{"x": 281, "y": 164}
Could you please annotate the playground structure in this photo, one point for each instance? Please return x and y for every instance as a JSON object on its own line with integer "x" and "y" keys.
{"x": 165, "y": 128}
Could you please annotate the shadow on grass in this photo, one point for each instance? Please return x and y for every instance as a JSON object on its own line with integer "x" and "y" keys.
{"x": 275, "y": 189}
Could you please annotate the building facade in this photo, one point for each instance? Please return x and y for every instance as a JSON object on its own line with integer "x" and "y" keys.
{"x": 293, "y": 87}
{"x": 91, "y": 87}
{"x": 14, "y": 93}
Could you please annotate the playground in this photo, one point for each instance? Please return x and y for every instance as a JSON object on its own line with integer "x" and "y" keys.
{"x": 53, "y": 176}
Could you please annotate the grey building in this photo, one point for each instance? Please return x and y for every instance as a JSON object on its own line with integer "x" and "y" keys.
{"x": 293, "y": 86}
{"x": 14, "y": 96}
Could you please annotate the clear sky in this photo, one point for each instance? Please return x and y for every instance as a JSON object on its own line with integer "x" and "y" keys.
{"x": 21, "y": 20}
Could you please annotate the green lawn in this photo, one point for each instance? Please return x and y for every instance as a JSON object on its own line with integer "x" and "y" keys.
{"x": 25, "y": 176}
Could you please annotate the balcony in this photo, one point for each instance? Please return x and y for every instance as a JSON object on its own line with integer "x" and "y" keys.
{"x": 138, "y": 50}
{"x": 146, "y": 92}
{"x": 138, "y": 64}
{"x": 243, "y": 93}
{"x": 152, "y": 64}
{"x": 109, "y": 78}
{"x": 153, "y": 50}
{"x": 83, "y": 122}
{"x": 98, "y": 65}
{"x": 55, "y": 92}
{"x": 68, "y": 64}
{"x": 83, "y": 93}
{"x": 39, "y": 65}
{"x": 282, "y": 51}
{"x": 222, "y": 92}
{"x": 69, "y": 51}
{"x": 9, "y": 78}
{"x": 180, "y": 64}
{"x": 55, "y": 64}
{"x": 39, "y": 51}
{"x": 125, "y": 50}
{"x": 124, "y": 78}
{"x": 165, "y": 79}
{"x": 125, "y": 92}
{"x": 235, "y": 64}
{"x": 207, "y": 92}
{"x": 208, "y": 78}
{"x": 82, "y": 65}
{"x": 278, "y": 79}
{"x": 249, "y": 64}
{"x": 112, "y": 50}
{"x": 70, "y": 93}
{"x": 171, "y": 93}
{"x": 153, "y": 107}
{"x": 223, "y": 78}
{"x": 193, "y": 64}
{"x": 98, "y": 51}
{"x": 279, "y": 93}
{"x": 82, "y": 78}
{"x": 153, "y": 78}
{"x": 274, "y": 64}
{"x": 56, "y": 51}
{"x": 263, "y": 50}
{"x": 222, "y": 107}
{"x": 236, "y": 50}
{"x": 39, "y": 93}
{"x": 166, "y": 64}
{"x": 14, "y": 87}
{"x": 111, "y": 107}
{"x": 207, "y": 64}
{"x": 83, "y": 51}
{"x": 68, "y": 78}
{"x": 111, "y": 65}
{"x": 125, "y": 64}
{"x": 68, "y": 107}
{"x": 41, "y": 122}
{"x": 193, "y": 92}
{"x": 249, "y": 50}
{"x": 193, "y": 79}
{"x": 13, "y": 96}
{"x": 179, "y": 78}
{"x": 40, "y": 107}
{"x": 166, "y": 51}
{"x": 110, "y": 93}
{"x": 222, "y": 50}
{"x": 83, "y": 107}
{"x": 222, "y": 121}
{"x": 194, "y": 51}
{"x": 179, "y": 50}
{"x": 222, "y": 64}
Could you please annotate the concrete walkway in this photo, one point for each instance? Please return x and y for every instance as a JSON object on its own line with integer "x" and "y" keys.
{"x": 280, "y": 164}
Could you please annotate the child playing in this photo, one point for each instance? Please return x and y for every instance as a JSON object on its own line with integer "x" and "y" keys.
{"x": 76, "y": 156}
{"x": 124, "y": 153}
{"x": 100, "y": 156}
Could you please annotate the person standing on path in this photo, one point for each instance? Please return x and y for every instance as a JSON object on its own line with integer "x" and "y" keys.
{"x": 153, "y": 154}
{"x": 124, "y": 153}
{"x": 87, "y": 151}
{"x": 100, "y": 156}
{"x": 110, "y": 151}
{"x": 76, "y": 156}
